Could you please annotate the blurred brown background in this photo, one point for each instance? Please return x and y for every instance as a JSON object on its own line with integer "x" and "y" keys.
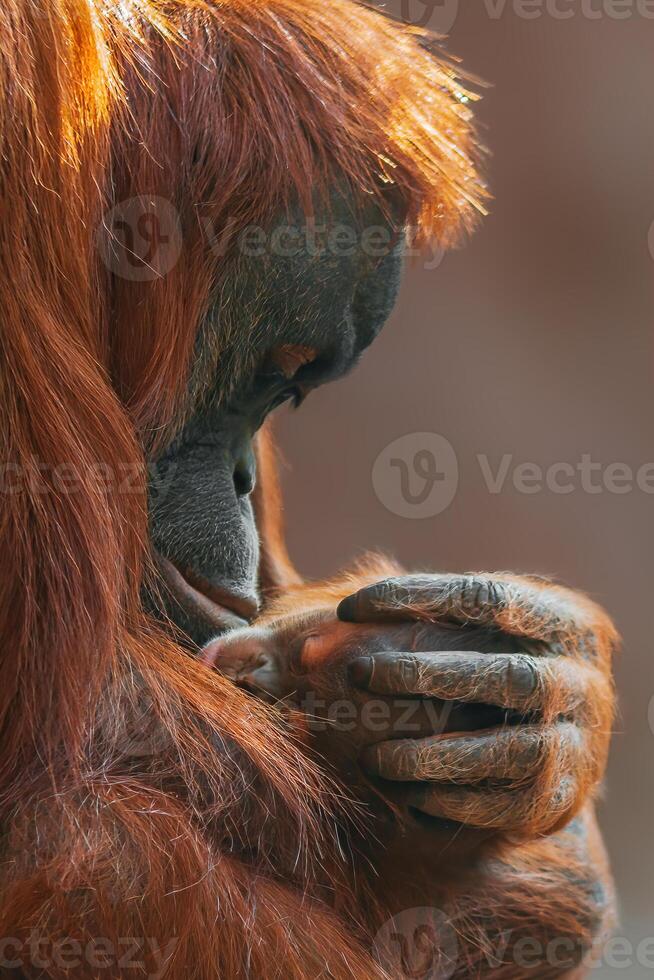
{"x": 534, "y": 341}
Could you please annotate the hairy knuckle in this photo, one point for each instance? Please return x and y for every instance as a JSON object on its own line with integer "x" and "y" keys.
{"x": 480, "y": 593}
{"x": 409, "y": 670}
{"x": 386, "y": 593}
{"x": 401, "y": 762}
{"x": 532, "y": 748}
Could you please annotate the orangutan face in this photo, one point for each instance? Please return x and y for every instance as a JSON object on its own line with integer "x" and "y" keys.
{"x": 308, "y": 298}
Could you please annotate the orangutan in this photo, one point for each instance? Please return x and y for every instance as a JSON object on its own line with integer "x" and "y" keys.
{"x": 176, "y": 795}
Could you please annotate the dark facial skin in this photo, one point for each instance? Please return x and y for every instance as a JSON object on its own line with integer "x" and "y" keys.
{"x": 292, "y": 316}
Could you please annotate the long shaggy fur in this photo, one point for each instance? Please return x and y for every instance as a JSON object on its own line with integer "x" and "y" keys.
{"x": 193, "y": 835}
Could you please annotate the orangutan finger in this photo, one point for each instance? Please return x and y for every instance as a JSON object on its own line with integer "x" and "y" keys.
{"x": 552, "y": 686}
{"x": 414, "y": 596}
{"x": 508, "y": 680}
{"x": 522, "y": 606}
{"x": 510, "y": 754}
{"x": 508, "y": 810}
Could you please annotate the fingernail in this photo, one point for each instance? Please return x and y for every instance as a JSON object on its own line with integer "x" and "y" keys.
{"x": 347, "y": 608}
{"x": 360, "y": 671}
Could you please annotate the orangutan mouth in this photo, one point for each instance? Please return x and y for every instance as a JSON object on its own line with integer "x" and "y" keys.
{"x": 203, "y": 600}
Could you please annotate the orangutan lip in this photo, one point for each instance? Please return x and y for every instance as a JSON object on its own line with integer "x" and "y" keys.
{"x": 244, "y": 606}
{"x": 220, "y": 608}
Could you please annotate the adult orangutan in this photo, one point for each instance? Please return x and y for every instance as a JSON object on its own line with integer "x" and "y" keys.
{"x": 156, "y": 815}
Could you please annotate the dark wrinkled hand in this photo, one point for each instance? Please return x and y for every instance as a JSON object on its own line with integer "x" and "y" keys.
{"x": 480, "y": 699}
{"x": 531, "y": 772}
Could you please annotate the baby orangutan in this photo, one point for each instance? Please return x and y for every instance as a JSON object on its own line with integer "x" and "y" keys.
{"x": 469, "y": 716}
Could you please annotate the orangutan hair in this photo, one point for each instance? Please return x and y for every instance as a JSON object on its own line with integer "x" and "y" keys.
{"x": 225, "y": 832}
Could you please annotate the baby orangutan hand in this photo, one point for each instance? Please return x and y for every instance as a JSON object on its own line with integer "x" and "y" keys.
{"x": 485, "y": 700}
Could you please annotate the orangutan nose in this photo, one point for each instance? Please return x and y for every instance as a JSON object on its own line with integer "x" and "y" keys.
{"x": 245, "y": 473}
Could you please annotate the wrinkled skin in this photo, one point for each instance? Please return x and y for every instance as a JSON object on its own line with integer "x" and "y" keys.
{"x": 323, "y": 308}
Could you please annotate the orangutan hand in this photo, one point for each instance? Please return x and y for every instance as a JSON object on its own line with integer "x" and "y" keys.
{"x": 533, "y": 772}
{"x": 484, "y": 700}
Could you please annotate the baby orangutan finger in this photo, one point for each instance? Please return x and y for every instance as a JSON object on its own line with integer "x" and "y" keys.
{"x": 512, "y": 755}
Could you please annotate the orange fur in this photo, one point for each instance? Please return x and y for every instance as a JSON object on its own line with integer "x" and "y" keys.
{"x": 212, "y": 835}
{"x": 220, "y": 834}
{"x": 276, "y": 572}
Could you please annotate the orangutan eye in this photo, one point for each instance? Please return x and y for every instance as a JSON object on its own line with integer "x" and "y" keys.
{"x": 293, "y": 393}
